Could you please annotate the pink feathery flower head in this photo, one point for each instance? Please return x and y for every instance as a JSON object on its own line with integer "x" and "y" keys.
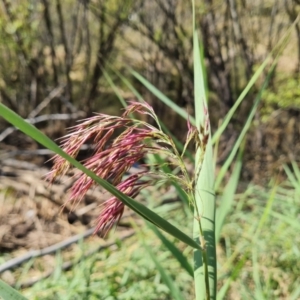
{"x": 114, "y": 208}
{"x": 119, "y": 143}
{"x": 112, "y": 157}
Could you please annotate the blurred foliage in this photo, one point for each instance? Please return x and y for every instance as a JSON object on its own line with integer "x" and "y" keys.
{"x": 283, "y": 94}
{"x": 271, "y": 271}
{"x": 46, "y": 44}
{"x": 260, "y": 219}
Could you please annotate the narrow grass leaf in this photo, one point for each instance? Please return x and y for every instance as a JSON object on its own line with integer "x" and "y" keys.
{"x": 275, "y": 52}
{"x": 174, "y": 250}
{"x": 287, "y": 219}
{"x": 143, "y": 211}
{"x": 240, "y": 99}
{"x": 242, "y": 135}
{"x": 294, "y": 181}
{"x": 228, "y": 195}
{"x": 236, "y": 270}
{"x": 128, "y": 84}
{"x": 24, "y": 275}
{"x": 162, "y": 97}
{"x": 266, "y": 213}
{"x": 8, "y": 293}
{"x": 114, "y": 88}
{"x": 175, "y": 292}
{"x": 296, "y": 170}
{"x": 258, "y": 288}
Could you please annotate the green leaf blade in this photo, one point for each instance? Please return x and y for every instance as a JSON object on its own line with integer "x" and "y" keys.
{"x": 9, "y": 293}
{"x": 142, "y": 210}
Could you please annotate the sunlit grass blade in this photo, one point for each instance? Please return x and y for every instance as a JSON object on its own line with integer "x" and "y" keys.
{"x": 114, "y": 88}
{"x": 296, "y": 170}
{"x": 240, "y": 99}
{"x": 266, "y": 213}
{"x": 286, "y": 219}
{"x": 24, "y": 274}
{"x": 228, "y": 195}
{"x": 275, "y": 52}
{"x": 292, "y": 178}
{"x": 162, "y": 97}
{"x": 127, "y": 83}
{"x": 244, "y": 131}
{"x": 58, "y": 272}
{"x": 143, "y": 211}
{"x": 235, "y": 272}
{"x": 174, "y": 291}
{"x": 256, "y": 274}
{"x": 8, "y": 293}
{"x": 174, "y": 250}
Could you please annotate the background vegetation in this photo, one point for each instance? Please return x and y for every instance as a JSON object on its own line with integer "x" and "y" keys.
{"x": 63, "y": 60}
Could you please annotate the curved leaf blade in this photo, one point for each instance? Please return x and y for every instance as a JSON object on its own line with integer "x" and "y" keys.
{"x": 162, "y": 97}
{"x": 142, "y": 210}
{"x": 9, "y": 293}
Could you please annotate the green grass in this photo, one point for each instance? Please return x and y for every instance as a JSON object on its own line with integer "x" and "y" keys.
{"x": 258, "y": 253}
{"x": 126, "y": 272}
{"x": 257, "y": 229}
{"x": 262, "y": 231}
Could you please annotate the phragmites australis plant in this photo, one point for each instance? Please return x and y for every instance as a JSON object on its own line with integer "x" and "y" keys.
{"x": 114, "y": 157}
{"x": 120, "y": 142}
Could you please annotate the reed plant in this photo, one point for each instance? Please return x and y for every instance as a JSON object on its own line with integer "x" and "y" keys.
{"x": 138, "y": 139}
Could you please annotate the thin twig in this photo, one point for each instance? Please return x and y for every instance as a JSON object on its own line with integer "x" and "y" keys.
{"x": 37, "y": 152}
{"x": 69, "y": 264}
{"x": 39, "y": 119}
{"x": 54, "y": 93}
{"x": 48, "y": 250}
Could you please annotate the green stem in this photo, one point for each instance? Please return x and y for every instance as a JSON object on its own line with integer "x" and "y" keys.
{"x": 204, "y": 253}
{"x": 205, "y": 275}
